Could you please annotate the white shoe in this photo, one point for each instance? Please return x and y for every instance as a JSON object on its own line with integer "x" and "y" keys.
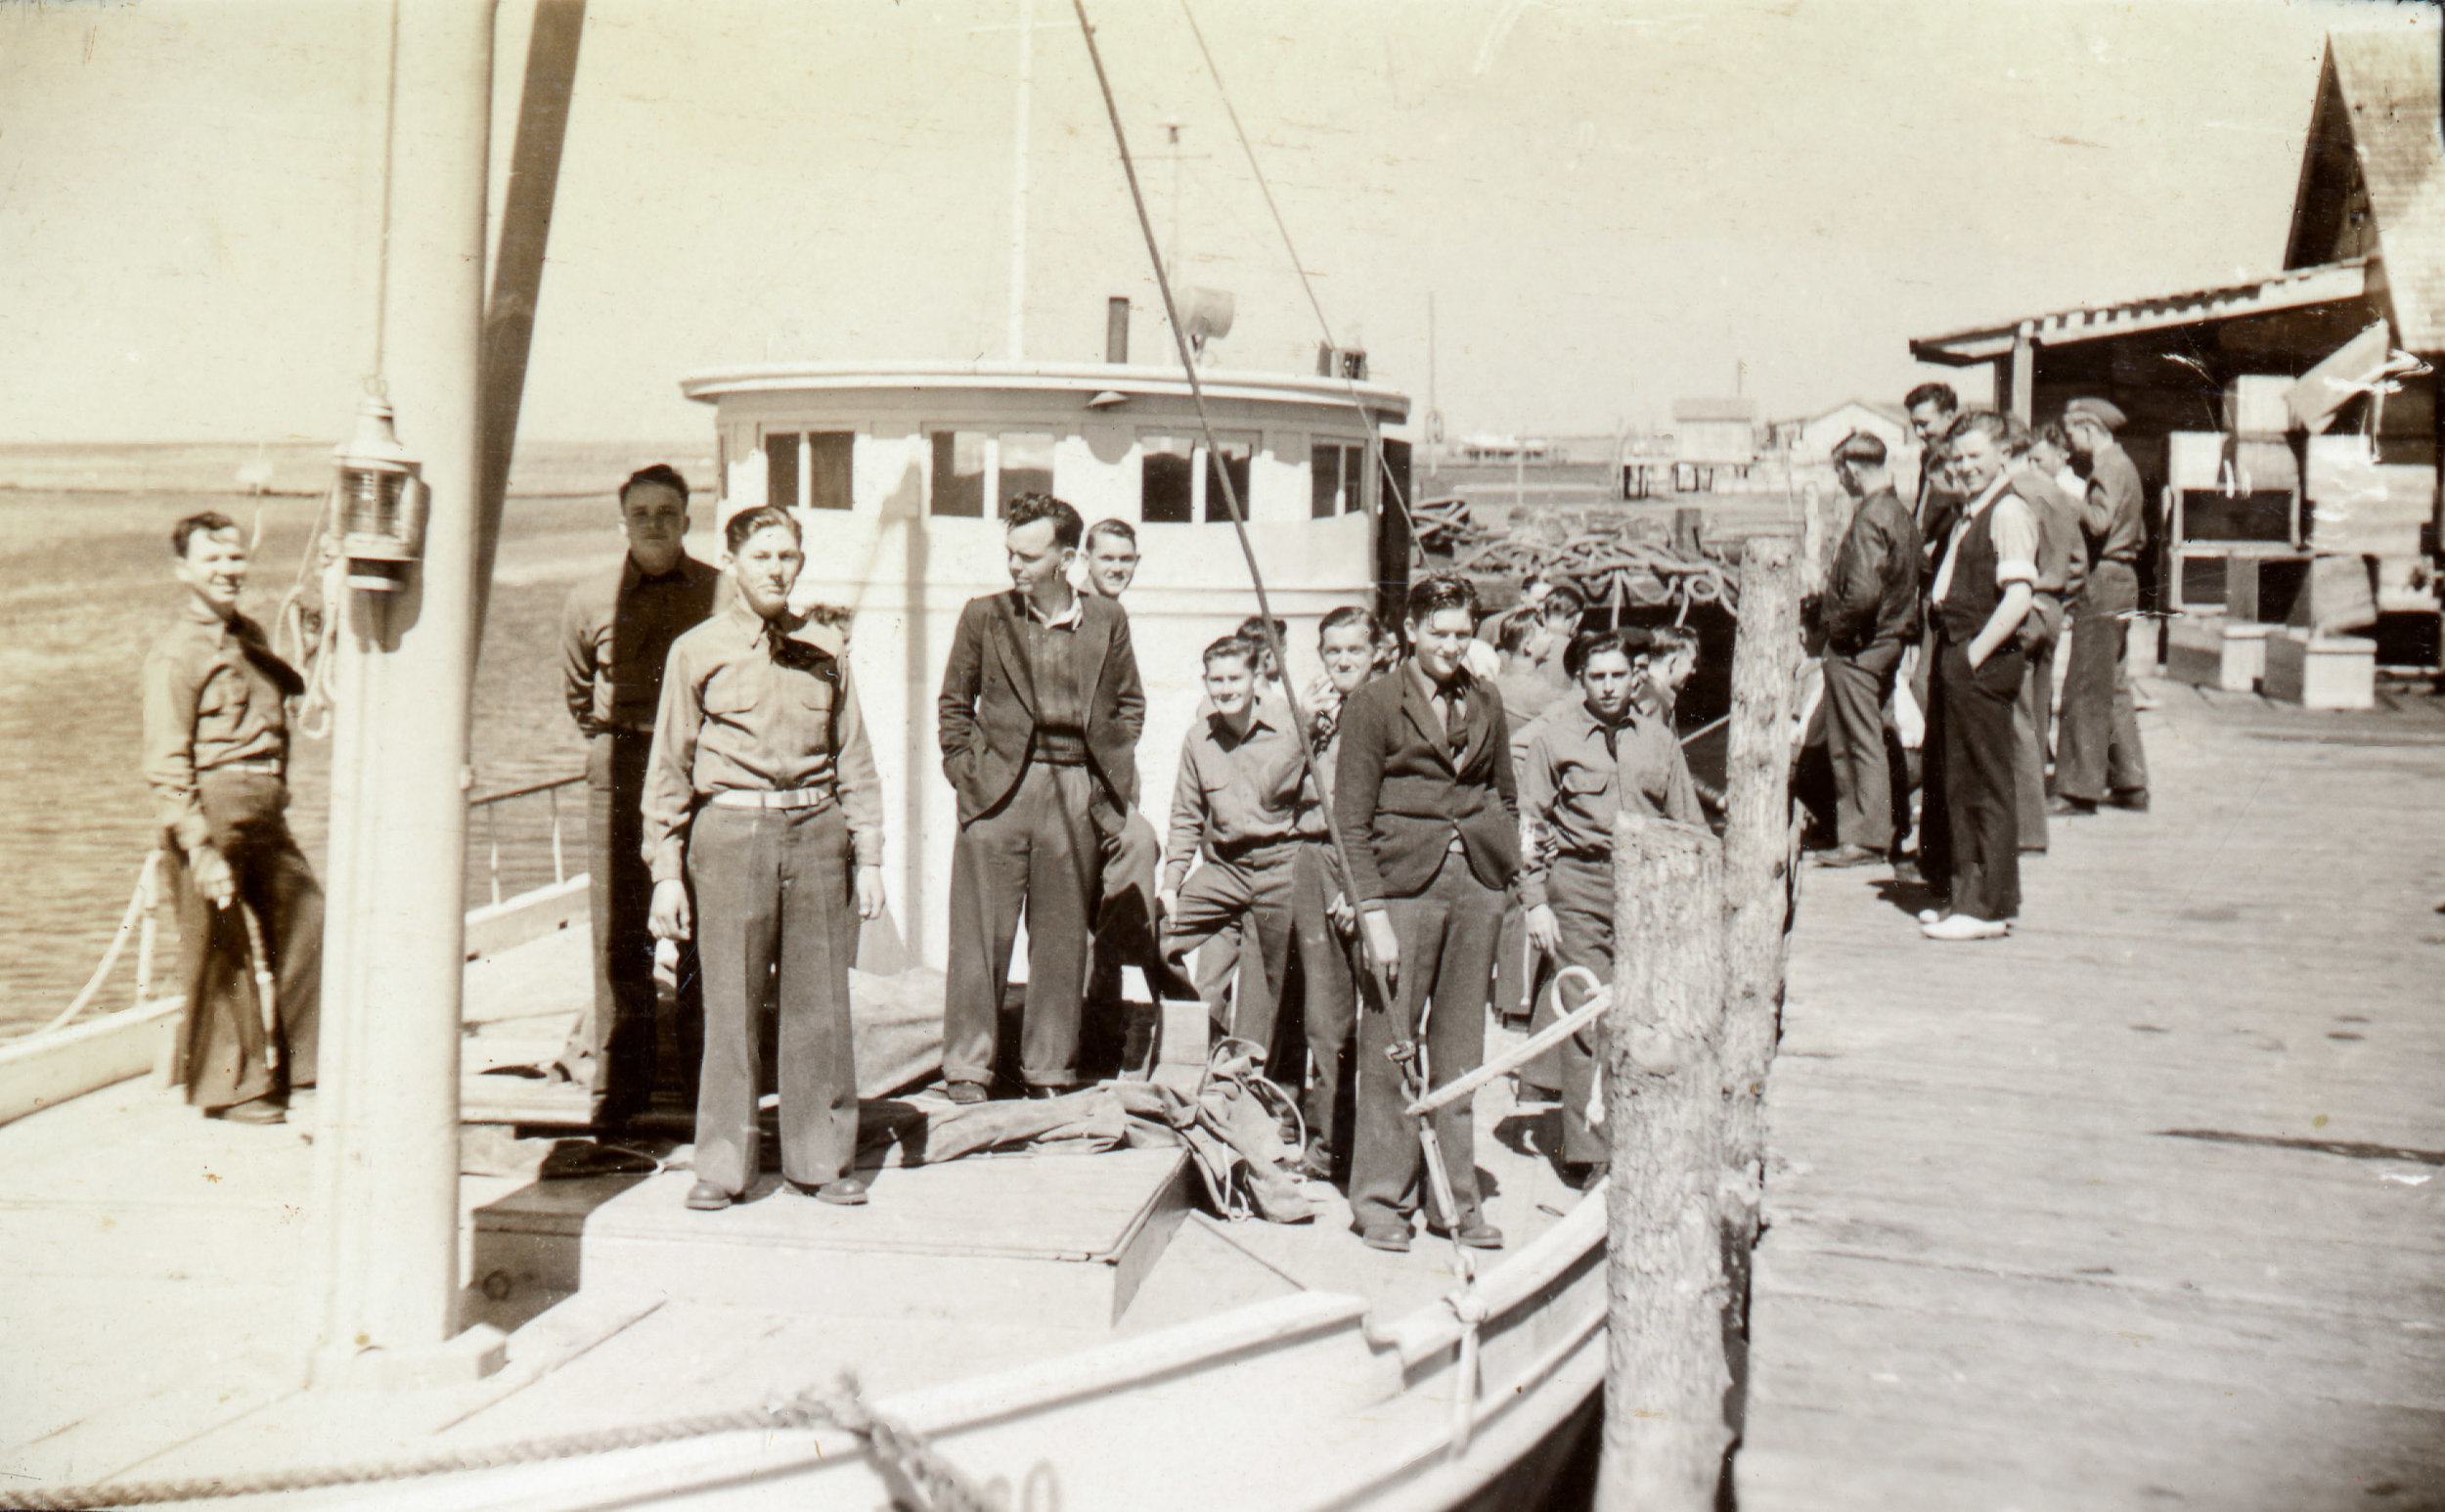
{"x": 1930, "y": 915}
{"x": 1965, "y": 926}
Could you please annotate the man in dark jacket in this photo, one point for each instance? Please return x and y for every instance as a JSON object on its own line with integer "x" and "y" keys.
{"x": 1869, "y": 614}
{"x": 1423, "y": 796}
{"x": 1039, "y": 714}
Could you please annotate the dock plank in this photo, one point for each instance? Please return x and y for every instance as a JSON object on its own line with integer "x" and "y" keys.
{"x": 1993, "y": 1275}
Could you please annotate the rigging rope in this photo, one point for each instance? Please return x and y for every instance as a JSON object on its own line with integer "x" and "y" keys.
{"x": 136, "y": 905}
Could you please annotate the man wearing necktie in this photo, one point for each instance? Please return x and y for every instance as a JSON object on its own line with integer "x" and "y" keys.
{"x": 1588, "y": 761}
{"x": 1423, "y": 797}
{"x": 764, "y": 828}
{"x": 216, "y": 755}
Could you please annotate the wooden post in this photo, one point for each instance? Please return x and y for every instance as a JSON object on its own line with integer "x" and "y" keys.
{"x": 1757, "y": 848}
{"x": 1665, "y": 1375}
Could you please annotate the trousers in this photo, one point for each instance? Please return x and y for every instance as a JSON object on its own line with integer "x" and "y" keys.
{"x": 1445, "y": 935}
{"x": 774, "y": 904}
{"x": 1865, "y": 802}
{"x": 1330, "y": 987}
{"x": 2100, "y": 752}
{"x": 221, "y": 1052}
{"x": 1040, "y": 854}
{"x": 1246, "y": 899}
{"x": 1581, "y": 891}
{"x": 1972, "y": 833}
{"x": 2033, "y": 721}
{"x": 612, "y": 1049}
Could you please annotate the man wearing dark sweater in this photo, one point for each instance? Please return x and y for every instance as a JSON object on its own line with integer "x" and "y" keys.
{"x": 1423, "y": 796}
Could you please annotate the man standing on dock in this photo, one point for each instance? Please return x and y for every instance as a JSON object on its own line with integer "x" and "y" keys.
{"x": 1039, "y": 714}
{"x": 216, "y": 754}
{"x": 616, "y": 632}
{"x": 1424, "y": 800}
{"x": 1594, "y": 759}
{"x": 1870, "y": 615}
{"x": 2099, "y": 759}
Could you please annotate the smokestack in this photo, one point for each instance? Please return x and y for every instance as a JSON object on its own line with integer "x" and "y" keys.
{"x": 1116, "y": 330}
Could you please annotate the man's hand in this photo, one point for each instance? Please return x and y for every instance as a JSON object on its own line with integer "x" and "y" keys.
{"x": 869, "y": 892}
{"x": 670, "y": 919}
{"x": 1381, "y": 941}
{"x": 1166, "y": 903}
{"x": 214, "y": 882}
{"x": 1345, "y": 917}
{"x": 1544, "y": 931}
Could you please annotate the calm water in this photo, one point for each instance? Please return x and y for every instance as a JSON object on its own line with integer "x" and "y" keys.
{"x": 85, "y": 587}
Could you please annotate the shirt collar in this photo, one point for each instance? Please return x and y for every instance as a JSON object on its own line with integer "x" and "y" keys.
{"x": 1457, "y": 688}
{"x": 1987, "y": 496}
{"x": 631, "y": 574}
{"x": 1067, "y": 619}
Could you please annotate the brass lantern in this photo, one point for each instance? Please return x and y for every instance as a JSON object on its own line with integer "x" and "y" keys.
{"x": 383, "y": 502}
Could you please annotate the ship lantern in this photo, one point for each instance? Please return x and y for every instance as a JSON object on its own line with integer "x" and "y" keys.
{"x": 383, "y": 502}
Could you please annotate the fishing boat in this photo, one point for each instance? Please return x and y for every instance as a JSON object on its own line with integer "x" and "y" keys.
{"x": 402, "y": 1301}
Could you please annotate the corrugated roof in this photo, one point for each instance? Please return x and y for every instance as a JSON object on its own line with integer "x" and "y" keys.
{"x": 2388, "y": 82}
{"x": 1714, "y": 409}
{"x": 2291, "y": 289}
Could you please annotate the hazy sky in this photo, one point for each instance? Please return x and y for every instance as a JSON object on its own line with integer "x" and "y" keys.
{"x": 1612, "y": 201}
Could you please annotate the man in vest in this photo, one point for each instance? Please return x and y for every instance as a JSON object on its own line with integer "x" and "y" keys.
{"x": 1981, "y": 593}
{"x": 2100, "y": 758}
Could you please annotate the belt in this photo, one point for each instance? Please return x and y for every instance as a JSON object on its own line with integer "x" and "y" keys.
{"x": 816, "y": 798}
{"x": 1244, "y": 850}
{"x": 264, "y": 766}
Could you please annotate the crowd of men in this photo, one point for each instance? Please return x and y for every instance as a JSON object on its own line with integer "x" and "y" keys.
{"x": 1442, "y": 794}
{"x": 1945, "y": 618}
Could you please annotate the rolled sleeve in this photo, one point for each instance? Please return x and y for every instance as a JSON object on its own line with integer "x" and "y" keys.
{"x": 2015, "y": 531}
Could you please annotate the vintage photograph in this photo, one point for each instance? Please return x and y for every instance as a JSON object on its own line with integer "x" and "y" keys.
{"x": 862, "y": 754}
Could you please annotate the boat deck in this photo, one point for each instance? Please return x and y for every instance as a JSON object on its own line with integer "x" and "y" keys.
{"x": 2142, "y": 1206}
{"x": 161, "y": 1305}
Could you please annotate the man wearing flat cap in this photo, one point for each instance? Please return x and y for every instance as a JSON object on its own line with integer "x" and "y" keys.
{"x": 1869, "y": 614}
{"x": 2098, "y": 758}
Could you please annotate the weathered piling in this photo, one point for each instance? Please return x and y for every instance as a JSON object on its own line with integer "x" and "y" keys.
{"x": 1664, "y": 1430}
{"x": 1758, "y": 857}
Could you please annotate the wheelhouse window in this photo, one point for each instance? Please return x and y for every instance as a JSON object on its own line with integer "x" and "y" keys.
{"x": 1167, "y": 480}
{"x": 808, "y": 469}
{"x": 977, "y": 473}
{"x": 1233, "y": 458}
{"x": 1336, "y": 476}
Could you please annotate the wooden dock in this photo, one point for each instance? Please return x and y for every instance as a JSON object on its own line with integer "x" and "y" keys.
{"x": 2145, "y": 1206}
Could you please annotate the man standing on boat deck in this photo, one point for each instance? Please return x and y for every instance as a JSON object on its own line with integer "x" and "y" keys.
{"x": 217, "y": 752}
{"x": 762, "y": 793}
{"x": 1594, "y": 758}
{"x": 1039, "y": 714}
{"x": 1423, "y": 797}
{"x": 1322, "y": 921}
{"x": 615, "y": 636}
{"x": 1870, "y": 615}
{"x": 2100, "y": 759}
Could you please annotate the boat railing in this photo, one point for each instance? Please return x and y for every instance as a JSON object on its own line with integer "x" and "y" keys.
{"x": 515, "y": 829}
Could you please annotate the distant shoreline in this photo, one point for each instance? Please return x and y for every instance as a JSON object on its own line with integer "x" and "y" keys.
{"x": 540, "y": 470}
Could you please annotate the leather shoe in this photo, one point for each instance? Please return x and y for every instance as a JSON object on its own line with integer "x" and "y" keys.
{"x": 705, "y": 1197}
{"x": 2134, "y": 799}
{"x": 965, "y": 1093}
{"x": 847, "y": 1192}
{"x": 254, "y": 1110}
{"x": 1391, "y": 1237}
{"x": 1586, "y": 1175}
{"x": 1480, "y": 1235}
{"x": 1315, "y": 1163}
{"x": 1965, "y": 926}
{"x": 1850, "y": 855}
{"x": 2068, "y": 808}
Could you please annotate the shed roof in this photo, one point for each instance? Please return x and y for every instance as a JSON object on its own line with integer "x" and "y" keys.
{"x": 2385, "y": 83}
{"x": 1877, "y": 407}
{"x": 2289, "y": 290}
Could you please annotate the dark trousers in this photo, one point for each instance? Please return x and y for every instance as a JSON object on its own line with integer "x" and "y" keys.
{"x": 1227, "y": 902}
{"x": 1581, "y": 892}
{"x": 2101, "y": 753}
{"x": 221, "y": 1056}
{"x": 773, "y": 904}
{"x": 2033, "y": 721}
{"x": 1865, "y": 799}
{"x": 1127, "y": 934}
{"x": 1330, "y": 985}
{"x": 1445, "y": 935}
{"x": 1038, "y": 854}
{"x": 1971, "y": 841}
{"x": 612, "y": 1049}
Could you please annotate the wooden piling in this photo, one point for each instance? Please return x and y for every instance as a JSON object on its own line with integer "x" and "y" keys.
{"x": 1666, "y": 1378}
{"x": 1758, "y": 858}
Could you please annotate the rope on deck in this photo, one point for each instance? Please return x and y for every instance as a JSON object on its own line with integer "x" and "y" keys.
{"x": 919, "y": 1476}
